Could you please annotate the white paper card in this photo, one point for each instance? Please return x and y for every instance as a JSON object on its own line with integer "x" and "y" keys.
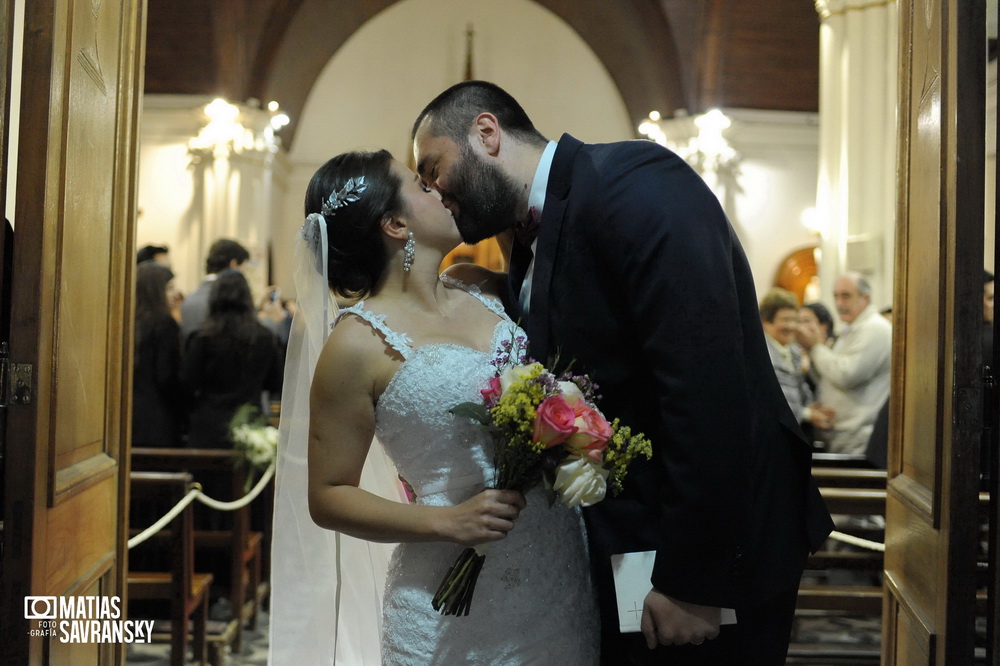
{"x": 632, "y": 573}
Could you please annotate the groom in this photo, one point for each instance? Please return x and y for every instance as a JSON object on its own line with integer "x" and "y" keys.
{"x": 625, "y": 263}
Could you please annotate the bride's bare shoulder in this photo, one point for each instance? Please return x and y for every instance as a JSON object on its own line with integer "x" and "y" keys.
{"x": 490, "y": 282}
{"x": 351, "y": 352}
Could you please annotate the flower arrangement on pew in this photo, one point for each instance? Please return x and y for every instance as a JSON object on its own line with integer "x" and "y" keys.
{"x": 546, "y": 429}
{"x": 255, "y": 439}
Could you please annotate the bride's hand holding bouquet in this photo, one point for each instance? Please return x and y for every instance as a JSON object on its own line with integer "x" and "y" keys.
{"x": 546, "y": 429}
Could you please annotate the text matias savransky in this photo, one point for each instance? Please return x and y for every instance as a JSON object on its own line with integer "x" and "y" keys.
{"x": 85, "y": 620}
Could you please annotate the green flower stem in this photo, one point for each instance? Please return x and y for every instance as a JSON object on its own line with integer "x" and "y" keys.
{"x": 454, "y": 595}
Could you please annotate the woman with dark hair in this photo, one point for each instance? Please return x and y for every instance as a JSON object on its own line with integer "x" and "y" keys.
{"x": 229, "y": 362}
{"x": 384, "y": 382}
{"x": 157, "y": 398}
{"x": 817, "y": 315}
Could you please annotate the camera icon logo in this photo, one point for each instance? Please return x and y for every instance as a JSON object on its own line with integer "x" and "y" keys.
{"x": 40, "y": 608}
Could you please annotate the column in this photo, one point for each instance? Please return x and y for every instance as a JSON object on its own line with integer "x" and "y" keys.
{"x": 856, "y": 190}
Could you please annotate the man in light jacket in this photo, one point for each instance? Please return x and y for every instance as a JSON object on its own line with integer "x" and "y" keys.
{"x": 854, "y": 374}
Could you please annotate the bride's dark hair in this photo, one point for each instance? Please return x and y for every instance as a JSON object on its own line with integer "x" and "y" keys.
{"x": 356, "y": 252}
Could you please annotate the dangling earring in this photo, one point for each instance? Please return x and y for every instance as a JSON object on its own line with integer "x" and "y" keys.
{"x": 409, "y": 249}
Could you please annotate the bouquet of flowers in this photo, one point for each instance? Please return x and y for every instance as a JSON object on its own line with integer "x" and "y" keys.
{"x": 546, "y": 429}
{"x": 254, "y": 438}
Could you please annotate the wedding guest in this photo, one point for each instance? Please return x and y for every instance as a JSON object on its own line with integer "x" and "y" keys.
{"x": 780, "y": 319}
{"x": 223, "y": 254}
{"x": 815, "y": 316}
{"x": 276, "y": 316}
{"x": 157, "y": 398}
{"x": 854, "y": 373}
{"x": 158, "y": 253}
{"x": 229, "y": 362}
{"x": 625, "y": 263}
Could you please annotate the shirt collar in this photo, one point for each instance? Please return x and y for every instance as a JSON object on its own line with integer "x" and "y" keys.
{"x": 536, "y": 197}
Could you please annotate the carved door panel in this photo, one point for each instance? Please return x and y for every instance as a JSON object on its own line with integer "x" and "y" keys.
{"x": 67, "y": 469}
{"x": 931, "y": 509}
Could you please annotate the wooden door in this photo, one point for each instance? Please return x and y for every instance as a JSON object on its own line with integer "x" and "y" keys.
{"x": 67, "y": 471}
{"x": 936, "y": 417}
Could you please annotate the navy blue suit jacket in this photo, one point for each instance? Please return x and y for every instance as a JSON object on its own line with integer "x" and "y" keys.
{"x": 641, "y": 281}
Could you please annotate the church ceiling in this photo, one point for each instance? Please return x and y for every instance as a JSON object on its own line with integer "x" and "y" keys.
{"x": 662, "y": 54}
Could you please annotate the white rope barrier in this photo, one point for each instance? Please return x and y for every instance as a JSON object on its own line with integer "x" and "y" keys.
{"x": 856, "y": 541}
{"x": 165, "y": 520}
{"x": 196, "y": 494}
{"x": 243, "y": 501}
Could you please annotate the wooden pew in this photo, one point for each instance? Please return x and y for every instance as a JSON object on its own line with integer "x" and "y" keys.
{"x": 844, "y": 460}
{"x": 848, "y": 477}
{"x": 244, "y": 545}
{"x": 848, "y": 487}
{"x": 186, "y": 590}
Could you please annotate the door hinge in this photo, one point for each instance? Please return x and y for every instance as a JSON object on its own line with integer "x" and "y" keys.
{"x": 16, "y": 382}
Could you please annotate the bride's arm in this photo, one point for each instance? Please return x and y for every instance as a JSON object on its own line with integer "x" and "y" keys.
{"x": 341, "y": 428}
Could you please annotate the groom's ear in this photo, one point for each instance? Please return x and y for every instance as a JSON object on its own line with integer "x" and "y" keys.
{"x": 486, "y": 133}
{"x": 394, "y": 227}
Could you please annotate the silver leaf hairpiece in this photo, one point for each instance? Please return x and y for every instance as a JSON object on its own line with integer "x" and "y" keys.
{"x": 349, "y": 193}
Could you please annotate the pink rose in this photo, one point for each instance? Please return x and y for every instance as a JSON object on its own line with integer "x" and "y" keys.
{"x": 592, "y": 433}
{"x": 554, "y": 421}
{"x": 493, "y": 392}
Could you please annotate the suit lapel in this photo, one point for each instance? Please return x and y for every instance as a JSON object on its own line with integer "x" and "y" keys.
{"x": 520, "y": 257}
{"x": 538, "y": 323}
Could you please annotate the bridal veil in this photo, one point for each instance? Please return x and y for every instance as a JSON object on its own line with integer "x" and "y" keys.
{"x": 326, "y": 587}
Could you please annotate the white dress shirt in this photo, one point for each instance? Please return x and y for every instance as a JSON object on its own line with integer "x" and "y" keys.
{"x": 536, "y": 198}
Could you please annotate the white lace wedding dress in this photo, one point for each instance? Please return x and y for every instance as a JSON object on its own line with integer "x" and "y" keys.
{"x": 533, "y": 603}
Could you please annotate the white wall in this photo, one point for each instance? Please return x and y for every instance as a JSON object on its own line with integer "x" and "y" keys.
{"x": 166, "y": 202}
{"x": 777, "y": 184}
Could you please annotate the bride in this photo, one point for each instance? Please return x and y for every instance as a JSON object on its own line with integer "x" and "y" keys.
{"x": 382, "y": 386}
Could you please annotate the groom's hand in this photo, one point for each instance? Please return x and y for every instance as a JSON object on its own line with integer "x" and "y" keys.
{"x": 667, "y": 621}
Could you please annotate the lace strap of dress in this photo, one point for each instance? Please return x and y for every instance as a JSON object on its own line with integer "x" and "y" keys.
{"x": 493, "y": 304}
{"x": 401, "y": 342}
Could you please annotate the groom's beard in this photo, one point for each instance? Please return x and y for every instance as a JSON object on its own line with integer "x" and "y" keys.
{"x": 487, "y": 197}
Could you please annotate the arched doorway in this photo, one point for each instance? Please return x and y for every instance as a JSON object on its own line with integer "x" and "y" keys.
{"x": 799, "y": 274}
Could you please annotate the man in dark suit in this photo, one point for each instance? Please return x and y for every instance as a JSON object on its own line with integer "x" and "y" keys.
{"x": 626, "y": 264}
{"x": 224, "y": 253}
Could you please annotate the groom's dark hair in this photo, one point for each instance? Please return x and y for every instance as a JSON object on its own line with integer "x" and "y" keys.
{"x": 451, "y": 113}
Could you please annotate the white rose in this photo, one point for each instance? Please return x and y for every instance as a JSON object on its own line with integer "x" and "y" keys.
{"x": 580, "y": 482}
{"x": 571, "y": 393}
{"x": 514, "y": 375}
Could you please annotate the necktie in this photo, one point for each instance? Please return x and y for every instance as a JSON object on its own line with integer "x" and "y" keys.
{"x": 527, "y": 229}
